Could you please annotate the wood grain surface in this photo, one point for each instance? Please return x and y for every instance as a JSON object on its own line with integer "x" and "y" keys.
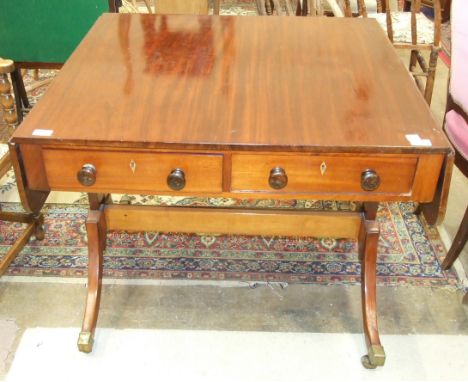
{"x": 233, "y": 173}
{"x": 231, "y": 221}
{"x": 150, "y": 170}
{"x": 244, "y": 83}
{"x": 339, "y": 173}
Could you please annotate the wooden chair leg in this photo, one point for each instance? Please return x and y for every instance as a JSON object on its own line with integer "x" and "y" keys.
{"x": 431, "y": 72}
{"x": 96, "y": 229}
{"x": 413, "y": 60}
{"x": 261, "y": 7}
{"x": 289, "y": 8}
{"x": 368, "y": 241}
{"x": 7, "y": 100}
{"x": 458, "y": 243}
{"x": 298, "y": 8}
{"x": 216, "y": 7}
{"x": 16, "y": 248}
{"x": 34, "y": 228}
{"x": 34, "y": 219}
{"x": 5, "y": 165}
{"x": 21, "y": 96}
{"x": 278, "y": 10}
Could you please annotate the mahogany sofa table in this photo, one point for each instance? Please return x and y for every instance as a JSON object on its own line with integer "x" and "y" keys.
{"x": 243, "y": 107}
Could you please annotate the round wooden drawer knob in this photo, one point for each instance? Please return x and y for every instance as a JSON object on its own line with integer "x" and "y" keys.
{"x": 176, "y": 179}
{"x": 278, "y": 178}
{"x": 370, "y": 180}
{"x": 87, "y": 175}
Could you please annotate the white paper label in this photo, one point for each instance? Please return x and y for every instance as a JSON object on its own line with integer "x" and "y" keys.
{"x": 416, "y": 140}
{"x": 42, "y": 133}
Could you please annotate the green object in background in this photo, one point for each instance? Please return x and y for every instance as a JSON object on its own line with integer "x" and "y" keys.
{"x": 45, "y": 31}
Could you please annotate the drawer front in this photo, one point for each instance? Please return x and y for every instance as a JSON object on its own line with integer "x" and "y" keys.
{"x": 328, "y": 174}
{"x": 133, "y": 171}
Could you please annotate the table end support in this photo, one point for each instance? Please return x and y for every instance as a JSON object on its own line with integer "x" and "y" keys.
{"x": 368, "y": 241}
{"x": 96, "y": 229}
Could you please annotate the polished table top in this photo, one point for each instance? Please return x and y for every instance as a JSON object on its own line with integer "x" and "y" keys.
{"x": 242, "y": 83}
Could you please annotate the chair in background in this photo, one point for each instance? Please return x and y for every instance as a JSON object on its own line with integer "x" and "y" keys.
{"x": 298, "y": 7}
{"x": 185, "y": 6}
{"x": 409, "y": 30}
{"x": 456, "y": 118}
{"x": 33, "y": 222}
{"x": 445, "y": 5}
{"x": 279, "y": 8}
{"x": 36, "y": 34}
{"x": 193, "y": 7}
{"x": 42, "y": 34}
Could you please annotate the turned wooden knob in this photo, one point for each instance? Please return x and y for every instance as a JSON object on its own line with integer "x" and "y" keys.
{"x": 176, "y": 179}
{"x": 370, "y": 180}
{"x": 87, "y": 175}
{"x": 278, "y": 178}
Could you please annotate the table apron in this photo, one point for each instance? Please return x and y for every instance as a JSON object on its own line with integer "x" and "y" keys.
{"x": 332, "y": 176}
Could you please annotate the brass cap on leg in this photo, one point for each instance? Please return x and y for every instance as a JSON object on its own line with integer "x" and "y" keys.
{"x": 376, "y": 357}
{"x": 85, "y": 342}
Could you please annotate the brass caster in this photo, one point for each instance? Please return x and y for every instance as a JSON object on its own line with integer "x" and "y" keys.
{"x": 85, "y": 342}
{"x": 376, "y": 357}
{"x": 367, "y": 363}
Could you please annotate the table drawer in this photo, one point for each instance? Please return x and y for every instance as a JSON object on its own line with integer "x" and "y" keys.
{"x": 133, "y": 171}
{"x": 323, "y": 173}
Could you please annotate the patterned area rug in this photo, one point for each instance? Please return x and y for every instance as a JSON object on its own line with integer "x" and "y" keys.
{"x": 409, "y": 252}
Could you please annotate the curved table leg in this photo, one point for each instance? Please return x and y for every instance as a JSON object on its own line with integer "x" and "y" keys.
{"x": 368, "y": 240}
{"x": 96, "y": 229}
